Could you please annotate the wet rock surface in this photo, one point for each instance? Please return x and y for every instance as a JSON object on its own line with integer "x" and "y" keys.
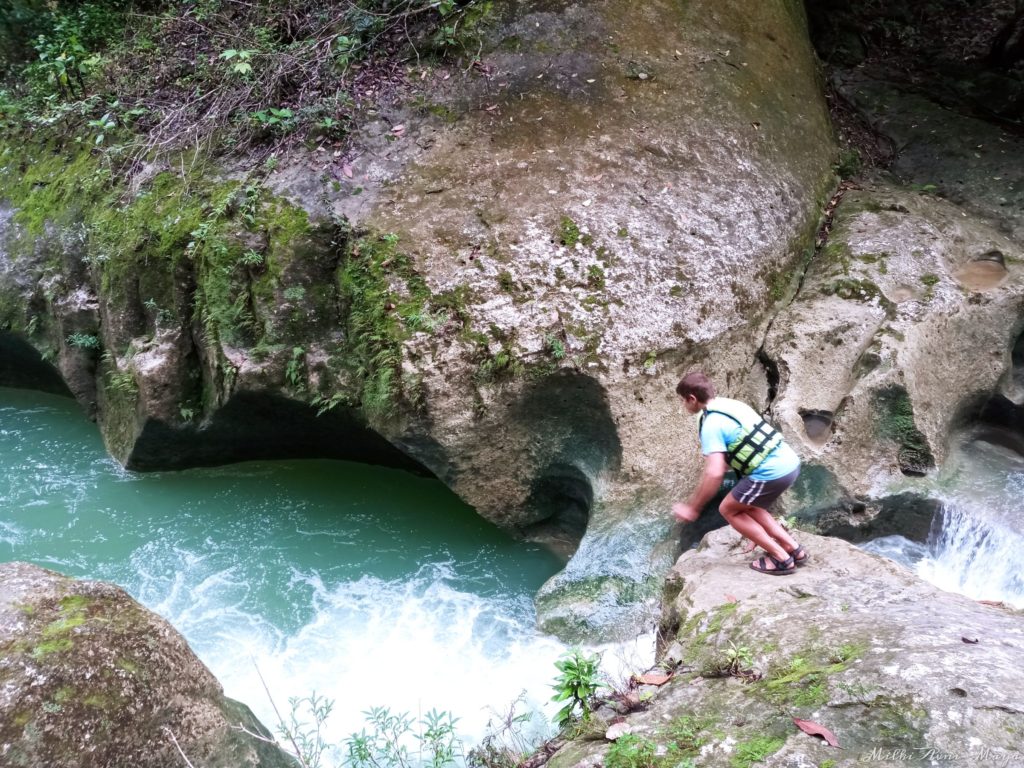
{"x": 91, "y": 679}
{"x": 894, "y": 668}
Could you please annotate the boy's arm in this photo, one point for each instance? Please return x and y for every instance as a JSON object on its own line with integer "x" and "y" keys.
{"x": 710, "y": 481}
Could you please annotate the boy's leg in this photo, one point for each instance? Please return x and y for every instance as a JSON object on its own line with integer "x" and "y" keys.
{"x": 737, "y": 515}
{"x": 772, "y": 527}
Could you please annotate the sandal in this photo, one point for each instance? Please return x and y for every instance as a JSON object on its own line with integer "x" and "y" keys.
{"x": 781, "y": 567}
{"x": 800, "y": 556}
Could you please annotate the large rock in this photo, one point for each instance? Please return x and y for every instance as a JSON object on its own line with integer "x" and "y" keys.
{"x": 623, "y": 196}
{"x": 91, "y": 679}
{"x": 615, "y": 192}
{"x": 900, "y": 672}
{"x": 905, "y": 326}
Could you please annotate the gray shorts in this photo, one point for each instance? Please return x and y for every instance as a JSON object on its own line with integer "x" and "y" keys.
{"x": 762, "y": 493}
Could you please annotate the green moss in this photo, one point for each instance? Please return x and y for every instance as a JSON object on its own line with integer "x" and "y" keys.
{"x": 853, "y": 289}
{"x": 895, "y": 421}
{"x": 568, "y": 233}
{"x": 754, "y": 751}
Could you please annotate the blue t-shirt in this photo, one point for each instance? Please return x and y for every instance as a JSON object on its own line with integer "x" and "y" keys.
{"x": 719, "y": 431}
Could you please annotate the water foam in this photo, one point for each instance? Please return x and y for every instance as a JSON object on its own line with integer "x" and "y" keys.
{"x": 971, "y": 556}
{"x": 411, "y": 645}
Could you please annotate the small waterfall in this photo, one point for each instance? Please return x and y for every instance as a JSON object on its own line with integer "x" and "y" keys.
{"x": 967, "y": 553}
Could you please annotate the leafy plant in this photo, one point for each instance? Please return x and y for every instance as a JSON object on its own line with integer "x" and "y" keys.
{"x": 102, "y": 126}
{"x": 304, "y": 731}
{"x": 385, "y": 743}
{"x": 631, "y": 751}
{"x": 123, "y": 381}
{"x": 554, "y": 346}
{"x": 737, "y": 658}
{"x": 294, "y": 369}
{"x": 84, "y": 340}
{"x": 576, "y": 684}
{"x": 238, "y": 60}
{"x": 251, "y": 258}
{"x": 278, "y": 119}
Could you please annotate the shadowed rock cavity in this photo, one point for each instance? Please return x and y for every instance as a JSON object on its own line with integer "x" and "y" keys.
{"x": 255, "y": 425}
{"x": 817, "y": 424}
{"x": 22, "y": 367}
{"x": 569, "y": 414}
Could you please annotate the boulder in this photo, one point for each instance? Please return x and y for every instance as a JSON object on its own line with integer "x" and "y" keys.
{"x": 91, "y": 679}
{"x": 905, "y": 325}
{"x": 897, "y": 671}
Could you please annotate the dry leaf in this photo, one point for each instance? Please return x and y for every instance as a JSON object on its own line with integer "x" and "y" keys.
{"x": 811, "y": 727}
{"x": 398, "y": 129}
{"x": 347, "y": 170}
{"x": 971, "y": 640}
{"x": 653, "y": 678}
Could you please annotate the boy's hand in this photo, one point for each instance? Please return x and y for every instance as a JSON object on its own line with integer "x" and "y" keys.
{"x": 684, "y": 513}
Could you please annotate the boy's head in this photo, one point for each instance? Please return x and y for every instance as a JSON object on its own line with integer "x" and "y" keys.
{"x": 696, "y": 390}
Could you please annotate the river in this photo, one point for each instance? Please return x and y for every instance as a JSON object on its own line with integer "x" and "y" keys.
{"x": 364, "y": 584}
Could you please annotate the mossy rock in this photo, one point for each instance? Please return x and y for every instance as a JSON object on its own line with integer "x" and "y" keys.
{"x": 91, "y": 679}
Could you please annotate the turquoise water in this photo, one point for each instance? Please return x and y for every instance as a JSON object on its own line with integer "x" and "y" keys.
{"x": 364, "y": 584}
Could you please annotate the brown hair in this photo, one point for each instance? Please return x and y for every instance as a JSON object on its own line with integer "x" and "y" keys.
{"x": 696, "y": 384}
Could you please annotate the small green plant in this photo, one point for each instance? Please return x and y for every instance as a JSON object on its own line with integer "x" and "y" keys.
{"x": 568, "y": 232}
{"x": 123, "y": 381}
{"x": 383, "y": 745}
{"x": 576, "y": 684}
{"x": 294, "y": 368}
{"x": 848, "y": 165}
{"x": 755, "y": 750}
{"x": 251, "y": 258}
{"x": 277, "y": 119}
{"x": 735, "y": 661}
{"x": 238, "y": 60}
{"x": 595, "y": 277}
{"x": 631, "y": 751}
{"x": 102, "y": 127}
{"x": 554, "y": 346}
{"x": 294, "y": 293}
{"x": 304, "y": 730}
{"x": 84, "y": 340}
{"x": 186, "y": 413}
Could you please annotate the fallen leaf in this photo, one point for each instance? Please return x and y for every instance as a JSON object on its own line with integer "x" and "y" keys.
{"x": 653, "y": 678}
{"x": 812, "y": 728}
{"x": 347, "y": 170}
{"x": 398, "y": 129}
{"x": 491, "y": 108}
{"x": 731, "y": 598}
{"x": 971, "y": 640}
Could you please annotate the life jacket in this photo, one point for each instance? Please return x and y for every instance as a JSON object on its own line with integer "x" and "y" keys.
{"x": 754, "y": 442}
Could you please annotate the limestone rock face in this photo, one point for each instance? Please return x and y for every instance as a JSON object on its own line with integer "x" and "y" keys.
{"x": 896, "y": 669}
{"x": 622, "y": 196}
{"x": 614, "y": 193}
{"x": 906, "y": 323}
{"x": 91, "y": 679}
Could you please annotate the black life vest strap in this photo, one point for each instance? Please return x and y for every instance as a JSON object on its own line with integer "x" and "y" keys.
{"x": 762, "y": 430}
